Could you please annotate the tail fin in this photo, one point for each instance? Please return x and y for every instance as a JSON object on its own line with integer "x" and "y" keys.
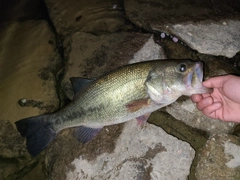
{"x": 38, "y": 132}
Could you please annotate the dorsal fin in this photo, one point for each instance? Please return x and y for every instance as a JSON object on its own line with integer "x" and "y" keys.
{"x": 79, "y": 83}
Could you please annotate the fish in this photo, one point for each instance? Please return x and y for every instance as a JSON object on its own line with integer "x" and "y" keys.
{"x": 132, "y": 91}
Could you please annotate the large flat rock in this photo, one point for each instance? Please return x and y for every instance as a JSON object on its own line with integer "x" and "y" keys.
{"x": 15, "y": 160}
{"x": 140, "y": 153}
{"x": 96, "y": 16}
{"x": 210, "y": 27}
{"x": 187, "y": 112}
{"x": 219, "y": 38}
{"x": 219, "y": 158}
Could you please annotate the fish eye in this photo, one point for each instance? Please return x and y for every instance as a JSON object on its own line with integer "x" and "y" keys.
{"x": 182, "y": 67}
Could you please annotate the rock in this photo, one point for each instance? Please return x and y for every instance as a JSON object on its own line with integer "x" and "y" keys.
{"x": 219, "y": 158}
{"x": 15, "y": 160}
{"x": 29, "y": 64}
{"x": 187, "y": 112}
{"x": 186, "y": 21}
{"x": 202, "y": 36}
{"x": 195, "y": 137}
{"x": 156, "y": 14}
{"x": 139, "y": 153}
{"x": 216, "y": 66}
{"x": 36, "y": 173}
{"x": 96, "y": 17}
{"x": 149, "y": 51}
{"x": 90, "y": 56}
{"x": 66, "y": 148}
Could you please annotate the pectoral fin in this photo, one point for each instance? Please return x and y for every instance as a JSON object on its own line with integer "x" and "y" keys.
{"x": 137, "y": 104}
{"x": 142, "y": 119}
{"x": 85, "y": 134}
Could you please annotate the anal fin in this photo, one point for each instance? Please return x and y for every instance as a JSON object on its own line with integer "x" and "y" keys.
{"x": 85, "y": 134}
{"x": 142, "y": 119}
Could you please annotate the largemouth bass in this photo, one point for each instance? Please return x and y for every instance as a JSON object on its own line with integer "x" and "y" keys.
{"x": 130, "y": 92}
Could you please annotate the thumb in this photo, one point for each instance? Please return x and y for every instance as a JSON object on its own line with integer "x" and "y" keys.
{"x": 216, "y": 82}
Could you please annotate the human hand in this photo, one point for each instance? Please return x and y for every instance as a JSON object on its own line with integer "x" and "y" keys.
{"x": 224, "y": 102}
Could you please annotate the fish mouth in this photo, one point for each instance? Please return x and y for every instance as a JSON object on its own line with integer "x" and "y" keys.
{"x": 194, "y": 81}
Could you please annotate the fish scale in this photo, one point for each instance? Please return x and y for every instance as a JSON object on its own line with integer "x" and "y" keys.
{"x": 130, "y": 92}
{"x": 114, "y": 91}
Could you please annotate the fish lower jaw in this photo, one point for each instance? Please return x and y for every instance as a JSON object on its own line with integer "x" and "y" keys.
{"x": 197, "y": 90}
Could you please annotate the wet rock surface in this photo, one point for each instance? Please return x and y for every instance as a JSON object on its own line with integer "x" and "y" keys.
{"x": 95, "y": 17}
{"x": 29, "y": 63}
{"x": 91, "y": 39}
{"x": 15, "y": 160}
{"x": 62, "y": 152}
{"x": 219, "y": 158}
{"x": 195, "y": 23}
{"x": 201, "y": 36}
{"x": 192, "y": 117}
{"x": 157, "y": 15}
{"x": 136, "y": 157}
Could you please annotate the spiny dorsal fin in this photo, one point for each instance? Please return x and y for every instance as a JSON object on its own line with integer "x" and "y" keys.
{"x": 79, "y": 83}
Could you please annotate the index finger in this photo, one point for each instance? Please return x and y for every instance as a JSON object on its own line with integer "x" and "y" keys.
{"x": 198, "y": 97}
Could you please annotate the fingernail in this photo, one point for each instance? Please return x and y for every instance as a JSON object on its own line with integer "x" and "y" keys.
{"x": 194, "y": 98}
{"x": 207, "y": 101}
{"x": 217, "y": 104}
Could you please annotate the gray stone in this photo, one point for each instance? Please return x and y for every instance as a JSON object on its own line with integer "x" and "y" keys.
{"x": 219, "y": 38}
{"x": 186, "y": 21}
{"x": 153, "y": 14}
{"x": 96, "y": 17}
{"x": 232, "y": 150}
{"x": 219, "y": 158}
{"x": 187, "y": 112}
{"x": 15, "y": 160}
{"x": 149, "y": 51}
{"x": 140, "y": 153}
{"x": 156, "y": 14}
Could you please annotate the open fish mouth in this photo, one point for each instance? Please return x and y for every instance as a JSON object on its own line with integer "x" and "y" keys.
{"x": 194, "y": 81}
